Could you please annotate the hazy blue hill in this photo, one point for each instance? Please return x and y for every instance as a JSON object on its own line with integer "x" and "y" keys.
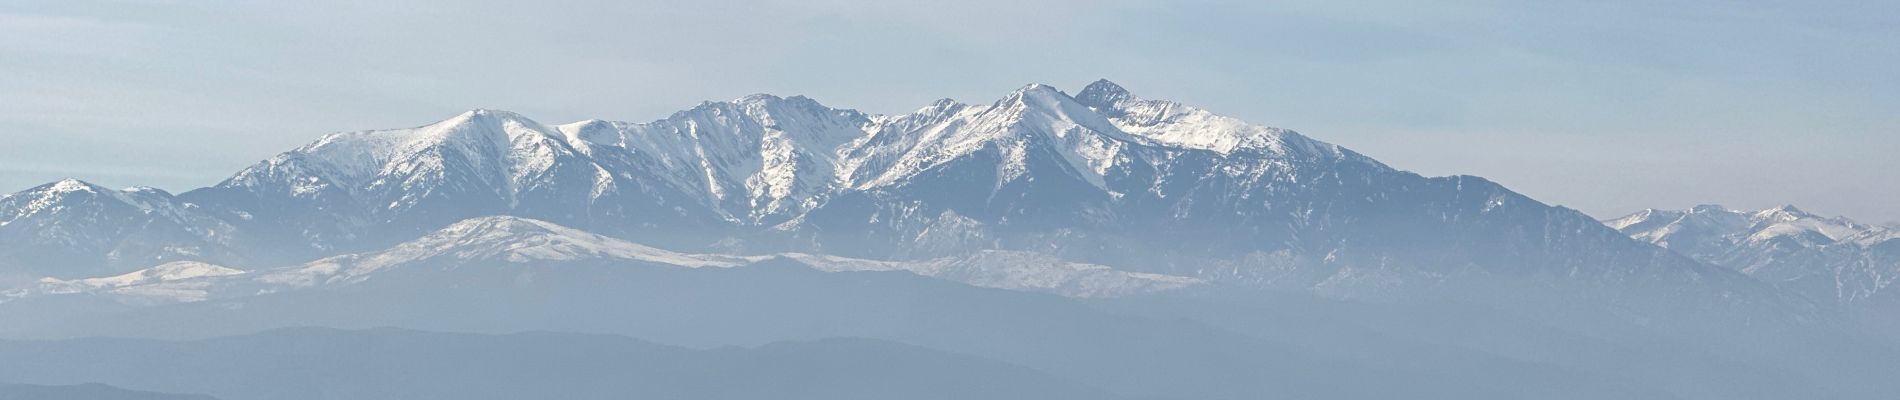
{"x": 313, "y": 363}
{"x": 1166, "y": 355}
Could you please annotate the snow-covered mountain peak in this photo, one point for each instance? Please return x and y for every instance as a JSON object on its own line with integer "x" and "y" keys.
{"x": 1823, "y": 257}
{"x": 357, "y": 153}
{"x": 90, "y": 228}
{"x": 1786, "y": 212}
{"x": 47, "y": 194}
{"x": 478, "y": 122}
{"x": 756, "y": 158}
{"x": 71, "y": 192}
{"x": 815, "y": 128}
{"x": 1102, "y": 91}
{"x": 68, "y": 185}
{"x": 1710, "y": 219}
{"x": 1057, "y": 113}
{"x": 1041, "y": 98}
{"x": 1034, "y": 125}
{"x": 1033, "y": 90}
{"x": 484, "y": 157}
{"x": 473, "y": 123}
{"x": 586, "y": 134}
{"x": 71, "y": 188}
{"x": 1180, "y": 125}
{"x": 941, "y": 104}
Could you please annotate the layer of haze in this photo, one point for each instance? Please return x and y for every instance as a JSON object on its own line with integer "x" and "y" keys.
{"x": 1607, "y": 107}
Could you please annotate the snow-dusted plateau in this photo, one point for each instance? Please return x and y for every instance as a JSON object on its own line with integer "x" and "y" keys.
{"x": 1098, "y": 244}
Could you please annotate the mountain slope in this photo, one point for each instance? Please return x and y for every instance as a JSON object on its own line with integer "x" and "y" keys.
{"x": 1104, "y": 177}
{"x": 73, "y": 228}
{"x": 512, "y": 242}
{"x": 757, "y": 160}
{"x": 1827, "y": 259}
{"x": 364, "y": 189}
{"x": 1109, "y": 178}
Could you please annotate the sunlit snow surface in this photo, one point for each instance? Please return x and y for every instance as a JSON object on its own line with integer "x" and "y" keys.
{"x": 527, "y": 241}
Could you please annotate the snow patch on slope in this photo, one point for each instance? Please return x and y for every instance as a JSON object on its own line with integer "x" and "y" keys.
{"x": 500, "y": 238}
{"x": 523, "y": 241}
{"x": 179, "y": 281}
{"x": 1015, "y": 270}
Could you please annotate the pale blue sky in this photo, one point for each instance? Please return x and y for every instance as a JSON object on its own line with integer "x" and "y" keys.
{"x": 1604, "y": 106}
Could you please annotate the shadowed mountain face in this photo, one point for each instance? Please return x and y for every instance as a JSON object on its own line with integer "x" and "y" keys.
{"x": 395, "y": 364}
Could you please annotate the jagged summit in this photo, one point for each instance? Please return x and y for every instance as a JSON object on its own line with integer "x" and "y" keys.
{"x": 1101, "y": 92}
{"x": 1789, "y": 209}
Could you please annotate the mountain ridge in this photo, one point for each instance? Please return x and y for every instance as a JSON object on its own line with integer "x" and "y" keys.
{"x": 1104, "y": 177}
{"x": 503, "y": 240}
{"x": 1828, "y": 259}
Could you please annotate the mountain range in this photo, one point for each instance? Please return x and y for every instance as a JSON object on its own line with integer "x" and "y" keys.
{"x": 1830, "y": 259}
{"x": 1107, "y": 244}
{"x": 1101, "y": 177}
